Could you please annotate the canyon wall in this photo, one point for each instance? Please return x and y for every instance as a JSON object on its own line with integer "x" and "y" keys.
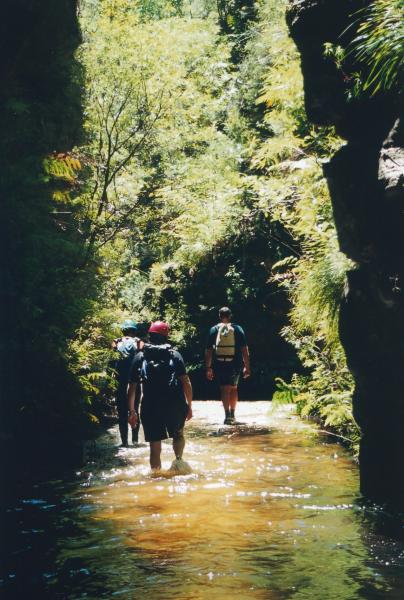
{"x": 365, "y": 179}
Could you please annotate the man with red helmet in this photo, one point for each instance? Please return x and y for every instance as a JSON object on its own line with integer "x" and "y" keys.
{"x": 166, "y": 393}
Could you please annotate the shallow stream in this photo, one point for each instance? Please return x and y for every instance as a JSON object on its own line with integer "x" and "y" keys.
{"x": 270, "y": 511}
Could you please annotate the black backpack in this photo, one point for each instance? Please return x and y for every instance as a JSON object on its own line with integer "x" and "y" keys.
{"x": 158, "y": 368}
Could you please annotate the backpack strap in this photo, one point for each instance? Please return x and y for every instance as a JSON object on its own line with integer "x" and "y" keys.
{"x": 142, "y": 370}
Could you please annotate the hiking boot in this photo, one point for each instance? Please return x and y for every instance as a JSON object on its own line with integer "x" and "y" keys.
{"x": 229, "y": 420}
{"x": 232, "y": 418}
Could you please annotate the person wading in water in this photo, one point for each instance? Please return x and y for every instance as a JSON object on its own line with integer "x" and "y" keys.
{"x": 226, "y": 353}
{"x": 166, "y": 393}
{"x": 126, "y": 347}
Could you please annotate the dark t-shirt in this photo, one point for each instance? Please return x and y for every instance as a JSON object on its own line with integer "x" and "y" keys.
{"x": 239, "y": 336}
{"x": 159, "y": 395}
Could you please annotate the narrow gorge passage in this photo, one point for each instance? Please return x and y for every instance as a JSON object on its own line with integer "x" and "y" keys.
{"x": 162, "y": 159}
{"x": 271, "y": 510}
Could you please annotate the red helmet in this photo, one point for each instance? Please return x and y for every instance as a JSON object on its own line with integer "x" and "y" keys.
{"x": 159, "y": 327}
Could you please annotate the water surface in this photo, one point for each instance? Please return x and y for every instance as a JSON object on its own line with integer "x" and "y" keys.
{"x": 270, "y": 511}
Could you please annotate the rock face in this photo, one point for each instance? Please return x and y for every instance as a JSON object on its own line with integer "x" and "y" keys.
{"x": 365, "y": 179}
{"x": 40, "y": 113}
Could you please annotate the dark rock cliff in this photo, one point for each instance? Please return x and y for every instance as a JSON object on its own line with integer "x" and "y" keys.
{"x": 40, "y": 113}
{"x": 365, "y": 178}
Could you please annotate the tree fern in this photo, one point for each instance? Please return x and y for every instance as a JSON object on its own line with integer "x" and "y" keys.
{"x": 62, "y": 166}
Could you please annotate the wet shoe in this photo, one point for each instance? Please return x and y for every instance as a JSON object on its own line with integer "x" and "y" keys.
{"x": 181, "y": 467}
{"x": 229, "y": 421}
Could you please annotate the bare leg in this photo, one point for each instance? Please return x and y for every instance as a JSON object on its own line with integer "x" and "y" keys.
{"x": 155, "y": 455}
{"x": 233, "y": 397}
{"x": 225, "y": 392}
{"x": 135, "y": 434}
{"x": 179, "y": 445}
{"x": 122, "y": 406}
{"x": 135, "y": 430}
{"x": 225, "y": 396}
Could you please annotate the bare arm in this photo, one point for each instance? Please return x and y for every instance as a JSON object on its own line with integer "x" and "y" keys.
{"x": 208, "y": 363}
{"x": 187, "y": 387}
{"x": 246, "y": 360}
{"x": 131, "y": 404}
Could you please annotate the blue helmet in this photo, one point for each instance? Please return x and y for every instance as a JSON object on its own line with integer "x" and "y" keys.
{"x": 129, "y": 324}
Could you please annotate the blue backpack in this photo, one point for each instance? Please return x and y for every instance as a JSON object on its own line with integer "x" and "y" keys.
{"x": 126, "y": 347}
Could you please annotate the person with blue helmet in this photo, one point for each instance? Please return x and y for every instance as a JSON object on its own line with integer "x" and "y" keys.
{"x": 126, "y": 347}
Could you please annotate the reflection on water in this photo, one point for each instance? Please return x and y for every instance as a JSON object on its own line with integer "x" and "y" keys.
{"x": 268, "y": 512}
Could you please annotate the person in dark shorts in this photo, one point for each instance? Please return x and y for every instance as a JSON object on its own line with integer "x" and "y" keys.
{"x": 226, "y": 356}
{"x": 125, "y": 348}
{"x": 166, "y": 393}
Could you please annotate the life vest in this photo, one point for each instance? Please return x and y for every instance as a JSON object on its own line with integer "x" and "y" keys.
{"x": 225, "y": 347}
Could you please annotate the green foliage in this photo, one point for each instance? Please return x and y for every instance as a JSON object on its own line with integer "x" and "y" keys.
{"x": 90, "y": 357}
{"x": 157, "y": 155}
{"x": 159, "y": 9}
{"x": 198, "y": 184}
{"x": 223, "y": 200}
{"x": 318, "y": 290}
{"x": 176, "y": 207}
{"x": 236, "y": 18}
{"x": 285, "y": 156}
{"x": 373, "y": 61}
{"x": 378, "y": 45}
{"x": 284, "y": 393}
{"x": 325, "y": 393}
{"x": 336, "y": 52}
{"x": 62, "y": 166}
